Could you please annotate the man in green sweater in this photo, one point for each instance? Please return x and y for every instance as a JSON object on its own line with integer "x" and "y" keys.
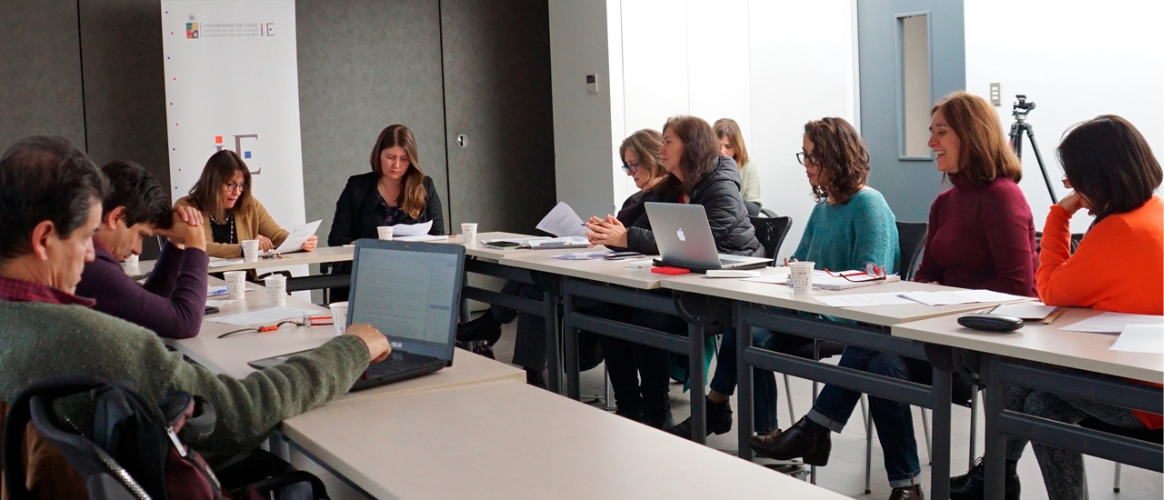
{"x": 50, "y": 207}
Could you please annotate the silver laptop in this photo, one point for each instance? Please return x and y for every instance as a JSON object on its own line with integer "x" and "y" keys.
{"x": 685, "y": 240}
{"x": 411, "y": 293}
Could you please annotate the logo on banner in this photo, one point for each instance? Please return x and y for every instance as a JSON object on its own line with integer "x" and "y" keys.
{"x": 245, "y": 154}
{"x": 191, "y": 30}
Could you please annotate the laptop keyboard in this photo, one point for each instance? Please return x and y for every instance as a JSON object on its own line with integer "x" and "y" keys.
{"x": 396, "y": 363}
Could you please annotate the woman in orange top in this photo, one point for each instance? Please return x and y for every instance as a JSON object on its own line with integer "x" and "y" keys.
{"x": 1117, "y": 267}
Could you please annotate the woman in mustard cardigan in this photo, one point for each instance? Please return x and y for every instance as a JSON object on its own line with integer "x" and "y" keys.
{"x": 223, "y": 196}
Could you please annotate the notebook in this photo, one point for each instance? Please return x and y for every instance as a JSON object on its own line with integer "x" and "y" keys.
{"x": 411, "y": 293}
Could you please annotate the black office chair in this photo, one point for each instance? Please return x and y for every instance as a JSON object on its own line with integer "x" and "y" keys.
{"x": 767, "y": 212}
{"x": 1075, "y": 239}
{"x": 771, "y": 232}
{"x": 911, "y": 237}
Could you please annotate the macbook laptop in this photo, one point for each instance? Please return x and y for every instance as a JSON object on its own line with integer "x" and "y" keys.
{"x": 685, "y": 240}
{"x": 410, "y": 292}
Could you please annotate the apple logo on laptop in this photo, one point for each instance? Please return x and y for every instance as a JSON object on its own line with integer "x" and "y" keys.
{"x": 680, "y": 234}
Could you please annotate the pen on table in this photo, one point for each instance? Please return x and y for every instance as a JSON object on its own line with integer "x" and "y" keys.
{"x": 1053, "y": 316}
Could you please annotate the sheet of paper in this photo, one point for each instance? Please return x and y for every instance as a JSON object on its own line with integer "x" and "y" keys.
{"x": 584, "y": 255}
{"x": 421, "y": 237}
{"x": 780, "y": 277}
{"x": 220, "y": 303}
{"x": 1141, "y": 338}
{"x": 299, "y": 235}
{"x": 411, "y": 229}
{"x": 1025, "y": 310}
{"x": 960, "y": 297}
{"x": 1110, "y": 322}
{"x": 562, "y": 221}
{"x": 225, "y": 262}
{"x": 864, "y": 300}
{"x": 215, "y": 290}
{"x": 263, "y": 317}
{"x": 825, "y": 281}
{"x": 562, "y": 242}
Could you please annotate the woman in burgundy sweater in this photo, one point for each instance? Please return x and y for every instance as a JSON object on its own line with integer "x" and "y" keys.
{"x": 981, "y": 232}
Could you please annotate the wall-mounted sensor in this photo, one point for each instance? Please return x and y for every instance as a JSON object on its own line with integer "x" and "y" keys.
{"x": 592, "y": 83}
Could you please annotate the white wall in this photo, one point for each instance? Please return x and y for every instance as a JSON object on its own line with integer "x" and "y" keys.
{"x": 1075, "y": 60}
{"x": 582, "y": 121}
{"x": 770, "y": 66}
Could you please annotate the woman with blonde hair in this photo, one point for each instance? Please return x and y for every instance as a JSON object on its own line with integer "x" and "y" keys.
{"x": 731, "y": 145}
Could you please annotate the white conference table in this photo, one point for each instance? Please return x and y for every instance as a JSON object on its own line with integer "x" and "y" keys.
{"x": 1063, "y": 362}
{"x": 506, "y": 439}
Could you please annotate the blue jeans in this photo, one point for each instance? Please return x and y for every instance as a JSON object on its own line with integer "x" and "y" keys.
{"x": 764, "y": 382}
{"x": 894, "y": 421}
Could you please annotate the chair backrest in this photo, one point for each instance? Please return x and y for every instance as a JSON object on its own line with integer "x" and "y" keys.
{"x": 771, "y": 232}
{"x": 1075, "y": 239}
{"x": 911, "y": 236}
{"x": 767, "y": 212}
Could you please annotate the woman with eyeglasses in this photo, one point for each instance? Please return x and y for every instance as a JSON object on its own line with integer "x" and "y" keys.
{"x": 697, "y": 174}
{"x": 1116, "y": 268}
{"x": 223, "y": 196}
{"x": 731, "y": 145}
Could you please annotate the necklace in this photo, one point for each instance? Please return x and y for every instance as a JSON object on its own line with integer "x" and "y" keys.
{"x": 231, "y": 237}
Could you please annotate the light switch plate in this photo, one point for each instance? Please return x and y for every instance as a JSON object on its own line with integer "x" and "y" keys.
{"x": 996, "y": 94}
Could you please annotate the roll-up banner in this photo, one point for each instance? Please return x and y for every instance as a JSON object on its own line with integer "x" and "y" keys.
{"x": 232, "y": 83}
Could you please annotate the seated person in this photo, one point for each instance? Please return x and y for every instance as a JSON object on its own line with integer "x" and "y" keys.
{"x": 696, "y": 174}
{"x": 173, "y": 298}
{"x": 223, "y": 196}
{"x": 731, "y": 145}
{"x": 395, "y": 191}
{"x": 1116, "y": 268}
{"x": 50, "y": 207}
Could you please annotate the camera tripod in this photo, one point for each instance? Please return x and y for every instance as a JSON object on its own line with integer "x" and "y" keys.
{"x": 1020, "y": 111}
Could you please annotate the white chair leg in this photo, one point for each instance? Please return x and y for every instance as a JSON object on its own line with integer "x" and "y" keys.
{"x": 868, "y": 442}
{"x": 973, "y": 428}
{"x": 788, "y": 398}
{"x": 926, "y": 432}
{"x": 1116, "y": 486}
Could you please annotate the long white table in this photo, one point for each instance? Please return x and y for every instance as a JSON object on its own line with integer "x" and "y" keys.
{"x": 509, "y": 440}
{"x": 1049, "y": 358}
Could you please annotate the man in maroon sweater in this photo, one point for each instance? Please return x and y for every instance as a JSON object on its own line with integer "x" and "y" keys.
{"x": 172, "y": 300}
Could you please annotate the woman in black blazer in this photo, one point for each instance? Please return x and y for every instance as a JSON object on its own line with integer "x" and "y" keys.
{"x": 396, "y": 191}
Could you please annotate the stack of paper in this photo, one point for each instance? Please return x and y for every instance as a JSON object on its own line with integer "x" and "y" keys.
{"x": 411, "y": 229}
{"x": 584, "y": 255}
{"x": 959, "y": 297}
{"x": 1031, "y": 311}
{"x": 822, "y": 280}
{"x": 1110, "y": 322}
{"x": 864, "y": 300}
{"x": 1141, "y": 338}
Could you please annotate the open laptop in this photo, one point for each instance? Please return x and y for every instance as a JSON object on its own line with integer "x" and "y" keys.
{"x": 685, "y": 240}
{"x": 410, "y": 292}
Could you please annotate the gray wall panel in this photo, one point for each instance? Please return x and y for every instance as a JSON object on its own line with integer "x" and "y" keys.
{"x": 364, "y": 66}
{"x": 40, "y": 71}
{"x": 498, "y": 93}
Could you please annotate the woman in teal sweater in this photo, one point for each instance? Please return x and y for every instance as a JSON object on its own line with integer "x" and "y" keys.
{"x": 851, "y": 227}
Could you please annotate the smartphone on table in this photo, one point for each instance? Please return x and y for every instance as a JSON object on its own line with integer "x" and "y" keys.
{"x": 622, "y": 255}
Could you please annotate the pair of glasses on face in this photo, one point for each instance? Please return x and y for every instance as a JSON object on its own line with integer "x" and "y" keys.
{"x": 873, "y": 272}
{"x": 802, "y": 157}
{"x": 235, "y": 187}
{"x": 629, "y": 169}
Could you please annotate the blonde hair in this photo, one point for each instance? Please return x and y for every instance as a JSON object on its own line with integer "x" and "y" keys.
{"x": 413, "y": 196}
{"x": 645, "y": 144}
{"x": 727, "y": 127}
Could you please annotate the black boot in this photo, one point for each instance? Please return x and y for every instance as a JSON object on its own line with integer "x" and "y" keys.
{"x": 804, "y": 439}
{"x": 719, "y": 420}
{"x": 485, "y": 328}
{"x": 658, "y": 414}
{"x": 535, "y": 378}
{"x": 972, "y": 485}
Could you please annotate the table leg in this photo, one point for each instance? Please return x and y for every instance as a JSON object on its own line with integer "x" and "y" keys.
{"x": 570, "y": 348}
{"x": 745, "y": 419}
{"x": 995, "y": 441}
{"x": 553, "y": 344}
{"x": 697, "y": 375}
{"x": 940, "y": 455}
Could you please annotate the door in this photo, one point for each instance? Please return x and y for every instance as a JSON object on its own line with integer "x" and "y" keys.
{"x": 498, "y": 113}
{"x": 912, "y": 53}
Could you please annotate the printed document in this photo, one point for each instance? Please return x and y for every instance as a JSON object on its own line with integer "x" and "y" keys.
{"x": 562, "y": 221}
{"x": 298, "y": 236}
{"x": 411, "y": 229}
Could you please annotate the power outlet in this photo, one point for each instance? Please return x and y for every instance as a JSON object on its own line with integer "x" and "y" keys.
{"x": 996, "y": 94}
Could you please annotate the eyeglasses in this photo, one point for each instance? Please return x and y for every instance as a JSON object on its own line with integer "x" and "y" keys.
{"x": 873, "y": 272}
{"x": 232, "y": 187}
{"x": 630, "y": 169}
{"x": 802, "y": 157}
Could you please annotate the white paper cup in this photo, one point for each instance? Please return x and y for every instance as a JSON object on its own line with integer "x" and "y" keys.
{"x": 384, "y": 232}
{"x": 236, "y": 284}
{"x": 250, "y": 250}
{"x": 339, "y": 316}
{"x": 802, "y": 276}
{"x": 469, "y": 232}
{"x": 131, "y": 260}
{"x": 276, "y": 289}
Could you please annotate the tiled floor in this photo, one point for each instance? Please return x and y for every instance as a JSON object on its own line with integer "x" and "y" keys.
{"x": 846, "y": 470}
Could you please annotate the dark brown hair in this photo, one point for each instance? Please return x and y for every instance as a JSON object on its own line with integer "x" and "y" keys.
{"x": 645, "y": 145}
{"x": 700, "y": 147}
{"x": 727, "y": 127}
{"x": 1109, "y": 162}
{"x": 206, "y": 195}
{"x": 985, "y": 153}
{"x": 412, "y": 196}
{"x": 841, "y": 156}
